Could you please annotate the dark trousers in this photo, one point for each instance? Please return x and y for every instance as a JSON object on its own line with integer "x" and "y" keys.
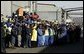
{"x": 72, "y": 39}
{"x": 13, "y": 40}
{"x": 16, "y": 41}
{"x": 3, "y": 50}
{"x": 62, "y": 40}
{"x": 7, "y": 40}
{"x": 28, "y": 41}
{"x": 51, "y": 40}
{"x": 55, "y": 39}
{"x": 78, "y": 37}
{"x": 33, "y": 43}
{"x": 23, "y": 41}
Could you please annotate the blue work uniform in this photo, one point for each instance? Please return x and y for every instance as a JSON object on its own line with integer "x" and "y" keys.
{"x": 40, "y": 37}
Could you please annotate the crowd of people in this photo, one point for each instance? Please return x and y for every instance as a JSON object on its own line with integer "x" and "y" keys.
{"x": 29, "y": 31}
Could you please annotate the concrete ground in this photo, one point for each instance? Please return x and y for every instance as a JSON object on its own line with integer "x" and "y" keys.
{"x": 66, "y": 48}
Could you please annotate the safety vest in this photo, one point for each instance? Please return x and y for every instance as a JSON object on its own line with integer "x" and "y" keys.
{"x": 52, "y": 32}
{"x": 34, "y": 35}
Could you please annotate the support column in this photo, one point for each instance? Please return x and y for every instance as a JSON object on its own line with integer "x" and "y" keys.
{"x": 31, "y": 6}
{"x": 11, "y": 8}
{"x": 36, "y": 6}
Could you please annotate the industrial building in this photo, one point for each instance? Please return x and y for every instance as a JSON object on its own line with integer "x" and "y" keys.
{"x": 49, "y": 12}
{"x": 45, "y": 11}
{"x": 60, "y": 25}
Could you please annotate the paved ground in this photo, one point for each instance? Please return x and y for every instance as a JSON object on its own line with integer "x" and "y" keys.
{"x": 67, "y": 48}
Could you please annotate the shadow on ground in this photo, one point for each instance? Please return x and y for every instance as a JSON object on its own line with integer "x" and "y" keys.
{"x": 76, "y": 47}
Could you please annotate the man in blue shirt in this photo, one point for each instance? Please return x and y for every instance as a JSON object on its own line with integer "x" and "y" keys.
{"x": 40, "y": 35}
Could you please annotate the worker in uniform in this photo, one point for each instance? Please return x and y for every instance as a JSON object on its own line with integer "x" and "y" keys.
{"x": 55, "y": 36}
{"x": 28, "y": 18}
{"x": 14, "y": 35}
{"x": 8, "y": 32}
{"x": 46, "y": 34}
{"x": 35, "y": 17}
{"x": 51, "y": 36}
{"x": 3, "y": 35}
{"x": 78, "y": 33}
{"x": 8, "y": 37}
{"x": 71, "y": 34}
{"x": 31, "y": 17}
{"x": 63, "y": 34}
{"x": 23, "y": 35}
{"x": 40, "y": 35}
{"x": 19, "y": 30}
{"x": 34, "y": 36}
{"x": 28, "y": 35}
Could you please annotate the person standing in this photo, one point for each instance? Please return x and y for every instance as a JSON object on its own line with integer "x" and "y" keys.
{"x": 14, "y": 35}
{"x": 46, "y": 34}
{"x": 8, "y": 32}
{"x": 23, "y": 35}
{"x": 51, "y": 36}
{"x": 35, "y": 17}
{"x": 78, "y": 32}
{"x": 28, "y": 18}
{"x": 8, "y": 23}
{"x": 40, "y": 35}
{"x": 19, "y": 30}
{"x": 71, "y": 34}
{"x": 28, "y": 35}
{"x": 56, "y": 34}
{"x": 64, "y": 34}
{"x": 31, "y": 17}
{"x": 3, "y": 35}
{"x": 34, "y": 36}
{"x": 8, "y": 37}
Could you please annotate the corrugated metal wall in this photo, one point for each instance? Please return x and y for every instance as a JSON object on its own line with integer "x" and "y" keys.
{"x": 47, "y": 12}
{"x": 47, "y": 15}
{"x": 6, "y": 7}
{"x": 17, "y": 4}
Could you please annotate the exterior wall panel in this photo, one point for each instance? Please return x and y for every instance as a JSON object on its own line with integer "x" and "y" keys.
{"x": 6, "y": 8}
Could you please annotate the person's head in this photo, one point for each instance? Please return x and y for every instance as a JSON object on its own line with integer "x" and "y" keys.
{"x": 35, "y": 13}
{"x": 30, "y": 13}
{"x": 33, "y": 26}
{"x": 46, "y": 27}
{"x": 40, "y": 25}
{"x": 8, "y": 20}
